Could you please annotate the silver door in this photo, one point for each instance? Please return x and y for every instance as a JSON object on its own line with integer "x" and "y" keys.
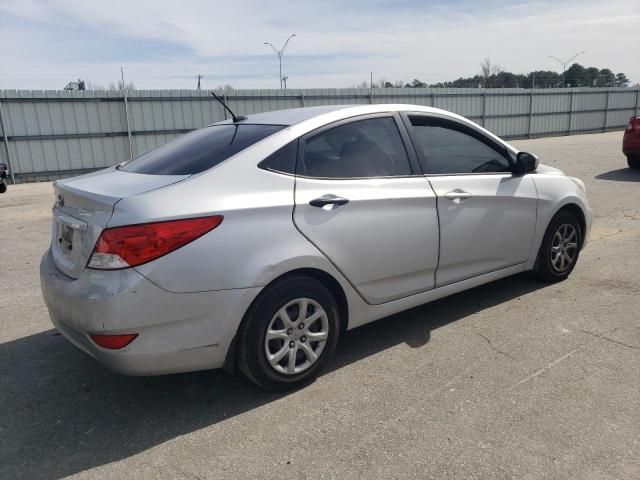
{"x": 357, "y": 201}
{"x": 487, "y": 214}
{"x": 487, "y": 222}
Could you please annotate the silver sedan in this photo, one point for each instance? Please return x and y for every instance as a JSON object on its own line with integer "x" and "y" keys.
{"x": 253, "y": 243}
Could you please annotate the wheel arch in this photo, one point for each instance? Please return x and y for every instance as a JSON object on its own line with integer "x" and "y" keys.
{"x": 576, "y": 210}
{"x": 326, "y": 279}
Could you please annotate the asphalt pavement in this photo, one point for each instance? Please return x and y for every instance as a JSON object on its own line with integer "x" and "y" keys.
{"x": 515, "y": 379}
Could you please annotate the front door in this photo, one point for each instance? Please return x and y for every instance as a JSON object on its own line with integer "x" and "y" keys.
{"x": 487, "y": 214}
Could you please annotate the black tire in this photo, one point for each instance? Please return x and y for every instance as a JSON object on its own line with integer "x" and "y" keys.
{"x": 634, "y": 162}
{"x": 3, "y": 186}
{"x": 251, "y": 356}
{"x": 545, "y": 269}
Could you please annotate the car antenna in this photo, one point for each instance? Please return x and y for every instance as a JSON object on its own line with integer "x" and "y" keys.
{"x": 236, "y": 118}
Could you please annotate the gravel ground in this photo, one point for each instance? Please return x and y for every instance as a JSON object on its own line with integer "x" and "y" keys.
{"x": 515, "y": 379}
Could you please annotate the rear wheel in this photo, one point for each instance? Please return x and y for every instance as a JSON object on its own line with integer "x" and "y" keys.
{"x": 3, "y": 186}
{"x": 634, "y": 162}
{"x": 289, "y": 334}
{"x": 560, "y": 248}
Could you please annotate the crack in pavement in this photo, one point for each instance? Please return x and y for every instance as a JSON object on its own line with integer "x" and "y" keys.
{"x": 496, "y": 349}
{"x": 363, "y": 439}
{"x": 555, "y": 362}
{"x": 610, "y": 339}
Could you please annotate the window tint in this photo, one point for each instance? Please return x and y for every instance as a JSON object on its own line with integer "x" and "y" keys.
{"x": 283, "y": 160}
{"x": 199, "y": 150}
{"x": 448, "y": 149}
{"x": 364, "y": 148}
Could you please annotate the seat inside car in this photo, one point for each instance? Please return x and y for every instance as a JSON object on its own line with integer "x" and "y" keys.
{"x": 364, "y": 158}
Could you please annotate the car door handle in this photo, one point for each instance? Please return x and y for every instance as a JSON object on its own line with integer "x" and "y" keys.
{"x": 457, "y": 195}
{"x": 329, "y": 199}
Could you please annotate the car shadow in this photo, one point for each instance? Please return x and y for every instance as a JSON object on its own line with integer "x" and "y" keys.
{"x": 63, "y": 413}
{"x": 621, "y": 175}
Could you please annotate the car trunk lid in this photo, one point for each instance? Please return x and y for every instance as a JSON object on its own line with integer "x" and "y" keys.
{"x": 83, "y": 207}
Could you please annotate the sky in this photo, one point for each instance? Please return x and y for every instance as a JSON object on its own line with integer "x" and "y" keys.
{"x": 165, "y": 44}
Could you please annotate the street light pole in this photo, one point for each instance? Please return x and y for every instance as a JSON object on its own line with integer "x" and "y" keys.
{"x": 564, "y": 63}
{"x": 280, "y": 54}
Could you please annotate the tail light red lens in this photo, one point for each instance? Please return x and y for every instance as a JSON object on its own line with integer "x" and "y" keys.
{"x": 132, "y": 245}
{"x": 114, "y": 342}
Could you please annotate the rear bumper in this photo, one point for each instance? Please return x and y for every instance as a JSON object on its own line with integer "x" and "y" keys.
{"x": 178, "y": 332}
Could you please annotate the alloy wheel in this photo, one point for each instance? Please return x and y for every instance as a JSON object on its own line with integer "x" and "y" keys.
{"x": 296, "y": 336}
{"x": 564, "y": 247}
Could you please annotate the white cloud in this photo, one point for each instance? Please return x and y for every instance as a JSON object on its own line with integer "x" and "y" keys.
{"x": 337, "y": 43}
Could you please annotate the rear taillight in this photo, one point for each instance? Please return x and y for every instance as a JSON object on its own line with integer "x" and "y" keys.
{"x": 114, "y": 342}
{"x": 132, "y": 245}
{"x": 634, "y": 124}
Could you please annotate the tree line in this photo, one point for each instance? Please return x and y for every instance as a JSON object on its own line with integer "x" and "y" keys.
{"x": 493, "y": 76}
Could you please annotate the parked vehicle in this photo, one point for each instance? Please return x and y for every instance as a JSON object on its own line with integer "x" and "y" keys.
{"x": 254, "y": 243}
{"x": 631, "y": 142}
{"x": 3, "y": 177}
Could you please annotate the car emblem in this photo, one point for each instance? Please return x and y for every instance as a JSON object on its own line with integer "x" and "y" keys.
{"x": 60, "y": 201}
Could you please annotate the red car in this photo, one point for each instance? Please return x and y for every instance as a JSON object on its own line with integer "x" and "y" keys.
{"x": 631, "y": 142}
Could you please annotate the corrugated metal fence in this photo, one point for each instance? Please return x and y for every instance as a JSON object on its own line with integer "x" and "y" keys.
{"x": 52, "y": 134}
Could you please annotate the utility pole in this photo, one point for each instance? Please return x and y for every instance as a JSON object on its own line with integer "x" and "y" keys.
{"x": 564, "y": 63}
{"x": 280, "y": 54}
{"x": 126, "y": 113}
{"x": 371, "y": 87}
{"x": 199, "y": 77}
{"x": 284, "y": 80}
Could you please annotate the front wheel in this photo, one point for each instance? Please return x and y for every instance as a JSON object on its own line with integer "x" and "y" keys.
{"x": 560, "y": 248}
{"x": 634, "y": 162}
{"x": 288, "y": 334}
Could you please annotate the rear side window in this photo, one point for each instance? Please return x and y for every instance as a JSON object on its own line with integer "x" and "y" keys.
{"x": 282, "y": 160}
{"x": 199, "y": 150}
{"x": 360, "y": 149}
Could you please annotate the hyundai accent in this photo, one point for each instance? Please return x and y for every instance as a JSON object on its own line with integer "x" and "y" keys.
{"x": 255, "y": 242}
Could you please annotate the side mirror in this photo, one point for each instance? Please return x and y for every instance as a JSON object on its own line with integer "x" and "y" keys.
{"x": 526, "y": 162}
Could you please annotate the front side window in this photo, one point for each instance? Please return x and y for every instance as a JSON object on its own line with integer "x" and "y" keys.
{"x": 199, "y": 150}
{"x": 449, "y": 149}
{"x": 360, "y": 149}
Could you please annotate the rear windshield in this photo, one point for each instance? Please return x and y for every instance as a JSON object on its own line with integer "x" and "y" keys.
{"x": 199, "y": 150}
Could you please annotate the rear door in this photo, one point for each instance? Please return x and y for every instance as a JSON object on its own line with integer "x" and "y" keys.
{"x": 487, "y": 214}
{"x": 360, "y": 201}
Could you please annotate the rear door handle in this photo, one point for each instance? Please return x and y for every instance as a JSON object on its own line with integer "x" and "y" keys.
{"x": 457, "y": 195}
{"x": 328, "y": 199}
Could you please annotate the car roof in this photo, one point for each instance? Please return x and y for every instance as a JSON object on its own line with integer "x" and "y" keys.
{"x": 293, "y": 116}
